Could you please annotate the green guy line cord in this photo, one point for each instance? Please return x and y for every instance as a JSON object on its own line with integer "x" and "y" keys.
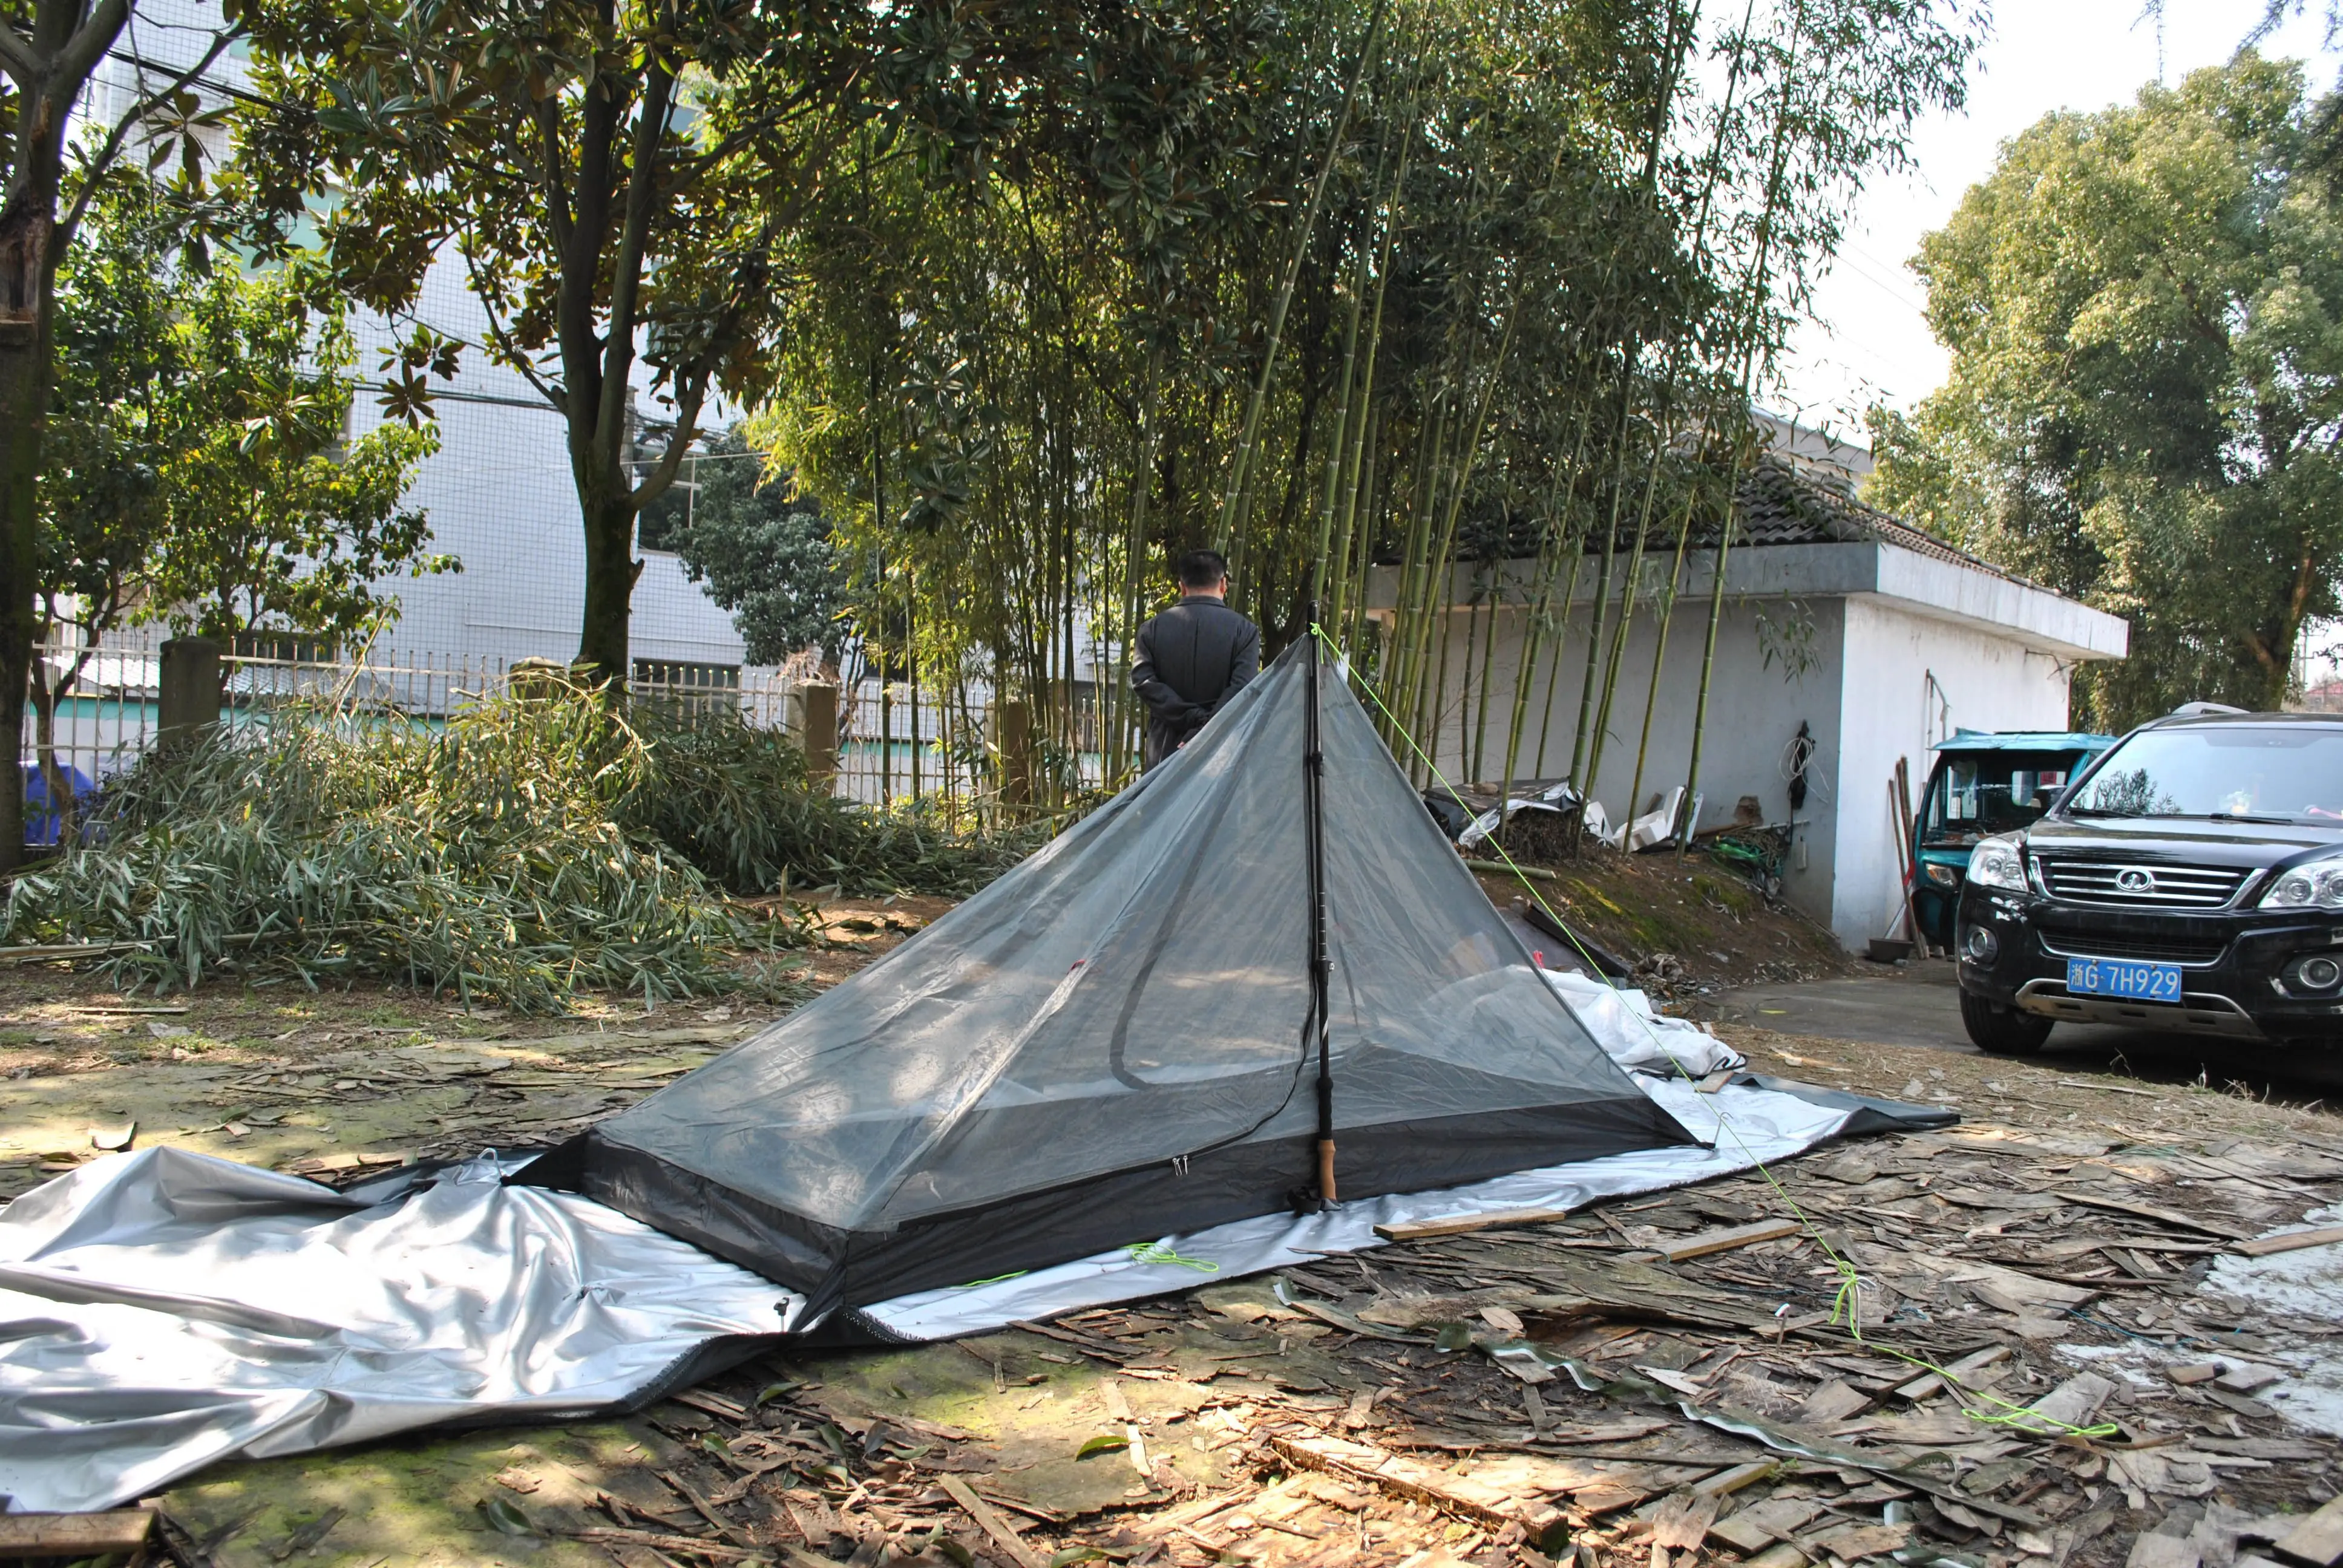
{"x": 1847, "y": 1305}
{"x": 1157, "y": 1252}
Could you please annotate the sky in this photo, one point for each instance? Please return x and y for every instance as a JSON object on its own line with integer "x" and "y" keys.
{"x": 1868, "y": 339}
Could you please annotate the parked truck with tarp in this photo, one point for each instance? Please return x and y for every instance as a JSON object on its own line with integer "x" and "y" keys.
{"x": 1985, "y": 782}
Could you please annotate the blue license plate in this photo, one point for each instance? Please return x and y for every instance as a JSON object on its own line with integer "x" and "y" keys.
{"x": 2127, "y": 977}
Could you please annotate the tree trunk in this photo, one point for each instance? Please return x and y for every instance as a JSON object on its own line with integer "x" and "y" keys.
{"x": 57, "y": 783}
{"x": 610, "y": 572}
{"x": 26, "y": 380}
{"x": 23, "y": 407}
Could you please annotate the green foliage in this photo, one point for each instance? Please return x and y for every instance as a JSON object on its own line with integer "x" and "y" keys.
{"x": 618, "y": 180}
{"x": 735, "y": 801}
{"x": 196, "y": 466}
{"x": 486, "y": 861}
{"x": 274, "y": 518}
{"x": 2145, "y": 309}
{"x": 1557, "y": 247}
{"x": 535, "y": 846}
{"x": 764, "y": 552}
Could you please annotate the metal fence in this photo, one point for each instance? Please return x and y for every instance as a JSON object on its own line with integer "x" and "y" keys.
{"x": 898, "y": 746}
{"x": 109, "y": 709}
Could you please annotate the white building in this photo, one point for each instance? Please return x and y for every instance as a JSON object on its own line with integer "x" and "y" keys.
{"x": 500, "y": 500}
{"x": 1879, "y": 638}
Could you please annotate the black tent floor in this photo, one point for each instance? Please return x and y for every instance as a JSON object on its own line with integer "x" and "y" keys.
{"x": 1754, "y": 1121}
{"x": 1036, "y": 1229}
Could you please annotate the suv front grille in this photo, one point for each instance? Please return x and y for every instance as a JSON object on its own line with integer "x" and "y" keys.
{"x": 2149, "y": 949}
{"x": 2140, "y": 885}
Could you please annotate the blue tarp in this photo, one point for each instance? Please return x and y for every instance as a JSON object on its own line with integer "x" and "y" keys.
{"x": 40, "y": 820}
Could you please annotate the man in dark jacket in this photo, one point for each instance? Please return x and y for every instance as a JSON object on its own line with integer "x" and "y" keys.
{"x": 1192, "y": 657}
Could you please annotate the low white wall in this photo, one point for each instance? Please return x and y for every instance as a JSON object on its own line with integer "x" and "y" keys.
{"x": 1881, "y": 650}
{"x": 1753, "y": 710}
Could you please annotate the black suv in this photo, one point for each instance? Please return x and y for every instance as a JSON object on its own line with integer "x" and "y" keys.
{"x": 2191, "y": 881}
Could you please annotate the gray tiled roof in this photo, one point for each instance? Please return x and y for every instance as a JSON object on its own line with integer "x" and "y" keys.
{"x": 1780, "y": 505}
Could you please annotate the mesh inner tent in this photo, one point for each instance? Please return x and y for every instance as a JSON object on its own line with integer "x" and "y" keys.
{"x": 1108, "y": 1043}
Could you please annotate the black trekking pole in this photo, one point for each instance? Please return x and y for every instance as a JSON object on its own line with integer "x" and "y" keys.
{"x": 1313, "y": 817}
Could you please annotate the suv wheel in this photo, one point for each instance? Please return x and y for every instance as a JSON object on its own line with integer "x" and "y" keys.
{"x": 2002, "y": 1030}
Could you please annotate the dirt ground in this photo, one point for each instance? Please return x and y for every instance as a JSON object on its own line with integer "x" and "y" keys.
{"x": 1660, "y": 1381}
{"x": 1691, "y": 928}
{"x": 333, "y": 1082}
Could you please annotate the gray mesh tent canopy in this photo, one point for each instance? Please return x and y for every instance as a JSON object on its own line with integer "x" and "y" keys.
{"x": 1115, "y": 1041}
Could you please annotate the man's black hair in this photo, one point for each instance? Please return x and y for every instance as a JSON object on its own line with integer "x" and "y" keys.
{"x": 1203, "y": 568}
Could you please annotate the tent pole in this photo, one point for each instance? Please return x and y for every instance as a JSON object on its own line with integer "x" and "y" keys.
{"x": 1313, "y": 769}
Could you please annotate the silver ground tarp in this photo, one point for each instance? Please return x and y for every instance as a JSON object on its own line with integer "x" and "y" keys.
{"x": 164, "y": 1309}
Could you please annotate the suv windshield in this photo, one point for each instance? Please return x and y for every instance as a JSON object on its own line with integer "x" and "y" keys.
{"x": 2277, "y": 773}
{"x": 1993, "y": 792}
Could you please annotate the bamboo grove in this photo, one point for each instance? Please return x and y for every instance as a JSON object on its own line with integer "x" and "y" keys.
{"x": 1416, "y": 309}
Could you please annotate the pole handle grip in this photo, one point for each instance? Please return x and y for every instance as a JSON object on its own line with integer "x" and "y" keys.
{"x": 1327, "y": 1170}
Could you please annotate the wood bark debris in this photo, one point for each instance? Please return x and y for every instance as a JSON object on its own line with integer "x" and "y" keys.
{"x": 1360, "y": 1410}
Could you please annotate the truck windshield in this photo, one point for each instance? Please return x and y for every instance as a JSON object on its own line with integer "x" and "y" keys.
{"x": 1987, "y": 792}
{"x": 2275, "y": 772}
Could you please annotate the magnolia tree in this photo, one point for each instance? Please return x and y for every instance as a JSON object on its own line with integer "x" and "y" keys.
{"x": 197, "y": 467}
{"x": 615, "y": 179}
{"x": 49, "y": 50}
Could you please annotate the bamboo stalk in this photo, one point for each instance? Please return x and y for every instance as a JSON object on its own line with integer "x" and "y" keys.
{"x": 1627, "y": 605}
{"x": 1240, "y": 475}
{"x": 1357, "y": 458}
{"x": 1684, "y": 830}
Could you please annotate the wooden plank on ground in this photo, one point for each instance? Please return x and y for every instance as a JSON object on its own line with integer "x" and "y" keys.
{"x": 714, "y": 1551}
{"x": 989, "y": 1522}
{"x": 2317, "y": 1540}
{"x": 2171, "y": 1217}
{"x": 1400, "y": 1476}
{"x": 1459, "y": 1224}
{"x": 2291, "y": 1242}
{"x": 1683, "y": 1520}
{"x": 1921, "y": 1387}
{"x": 1724, "y": 1240}
{"x": 1089, "y": 1345}
{"x": 73, "y": 1535}
{"x": 1735, "y": 1479}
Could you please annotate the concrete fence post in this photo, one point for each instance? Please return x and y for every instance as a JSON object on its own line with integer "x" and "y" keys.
{"x": 535, "y": 679}
{"x": 817, "y": 703}
{"x": 187, "y": 689}
{"x": 1015, "y": 739}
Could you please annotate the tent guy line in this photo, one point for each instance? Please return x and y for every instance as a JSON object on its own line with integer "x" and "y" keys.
{"x": 1844, "y": 1309}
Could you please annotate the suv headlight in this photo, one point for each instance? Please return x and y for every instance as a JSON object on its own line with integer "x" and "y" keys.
{"x": 1998, "y": 863}
{"x": 2317, "y": 886}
